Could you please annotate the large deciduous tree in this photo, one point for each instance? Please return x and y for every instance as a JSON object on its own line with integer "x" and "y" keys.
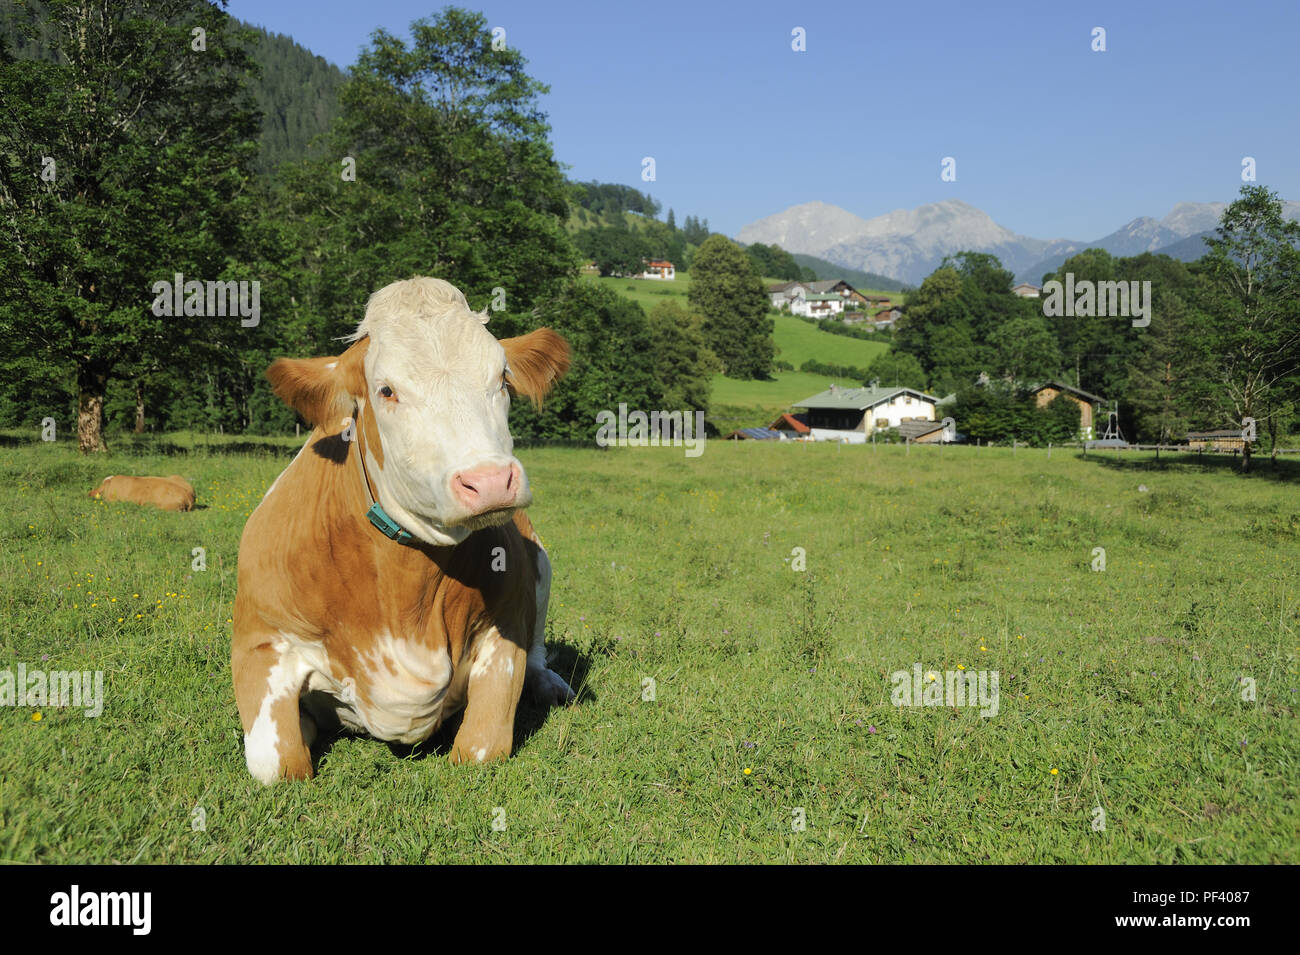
{"x": 1254, "y": 272}
{"x": 440, "y": 166}
{"x": 124, "y": 158}
{"x": 728, "y": 293}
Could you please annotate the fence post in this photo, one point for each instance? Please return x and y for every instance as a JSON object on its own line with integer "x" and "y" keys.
{"x": 1049, "y": 450}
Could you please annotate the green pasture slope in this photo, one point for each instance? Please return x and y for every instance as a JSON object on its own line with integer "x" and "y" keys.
{"x": 1120, "y": 690}
{"x": 742, "y": 404}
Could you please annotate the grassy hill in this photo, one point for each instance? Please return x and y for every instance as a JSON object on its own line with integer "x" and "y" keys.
{"x": 743, "y": 404}
{"x": 797, "y": 342}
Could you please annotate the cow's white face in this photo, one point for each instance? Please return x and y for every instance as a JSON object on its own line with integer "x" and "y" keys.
{"x": 437, "y": 386}
{"x": 431, "y": 388}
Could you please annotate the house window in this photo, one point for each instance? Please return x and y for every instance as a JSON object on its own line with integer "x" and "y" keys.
{"x": 907, "y": 399}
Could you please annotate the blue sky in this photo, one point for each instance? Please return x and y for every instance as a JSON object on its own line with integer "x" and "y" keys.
{"x": 1050, "y": 138}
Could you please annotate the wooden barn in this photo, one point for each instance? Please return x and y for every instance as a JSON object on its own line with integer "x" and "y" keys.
{"x": 1088, "y": 403}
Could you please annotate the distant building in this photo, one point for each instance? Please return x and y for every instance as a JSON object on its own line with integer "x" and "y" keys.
{"x": 755, "y": 434}
{"x": 928, "y": 432}
{"x": 591, "y": 268}
{"x": 1088, "y": 403}
{"x": 791, "y": 426}
{"x": 659, "y": 270}
{"x": 817, "y": 306}
{"x": 852, "y": 414}
{"x": 1025, "y": 290}
{"x": 885, "y": 320}
{"x": 843, "y": 289}
{"x": 785, "y": 294}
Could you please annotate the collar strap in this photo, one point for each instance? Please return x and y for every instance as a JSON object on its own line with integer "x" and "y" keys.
{"x": 376, "y": 514}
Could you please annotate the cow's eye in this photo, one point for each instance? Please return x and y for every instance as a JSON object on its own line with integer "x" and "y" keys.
{"x": 386, "y": 392}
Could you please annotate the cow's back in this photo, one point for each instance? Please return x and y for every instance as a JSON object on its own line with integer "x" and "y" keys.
{"x": 170, "y": 493}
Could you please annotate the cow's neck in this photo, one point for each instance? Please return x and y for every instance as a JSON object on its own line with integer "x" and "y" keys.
{"x": 375, "y": 512}
{"x": 330, "y": 474}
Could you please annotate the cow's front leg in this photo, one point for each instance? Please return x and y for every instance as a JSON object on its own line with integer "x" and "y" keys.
{"x": 496, "y": 678}
{"x": 277, "y": 736}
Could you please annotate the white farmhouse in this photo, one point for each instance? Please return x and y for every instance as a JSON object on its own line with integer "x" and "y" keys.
{"x": 853, "y": 414}
{"x": 817, "y": 306}
{"x": 659, "y": 269}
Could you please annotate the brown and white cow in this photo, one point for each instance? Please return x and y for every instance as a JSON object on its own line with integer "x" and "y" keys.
{"x": 172, "y": 493}
{"x": 388, "y": 624}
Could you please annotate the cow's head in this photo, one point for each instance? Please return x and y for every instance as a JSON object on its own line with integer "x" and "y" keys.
{"x": 430, "y": 388}
{"x": 98, "y": 492}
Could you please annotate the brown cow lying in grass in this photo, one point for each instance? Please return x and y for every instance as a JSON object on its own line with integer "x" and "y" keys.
{"x": 172, "y": 493}
{"x": 389, "y": 578}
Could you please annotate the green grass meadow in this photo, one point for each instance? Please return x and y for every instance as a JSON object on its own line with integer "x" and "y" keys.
{"x": 1120, "y": 690}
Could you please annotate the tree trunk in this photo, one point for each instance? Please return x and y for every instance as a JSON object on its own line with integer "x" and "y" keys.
{"x": 92, "y": 383}
{"x": 139, "y": 407}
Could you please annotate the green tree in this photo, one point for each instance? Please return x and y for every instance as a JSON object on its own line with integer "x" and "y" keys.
{"x": 729, "y": 294}
{"x": 1094, "y": 349}
{"x": 1169, "y": 374}
{"x": 454, "y": 177}
{"x": 614, "y": 361}
{"x": 896, "y": 369}
{"x": 1024, "y": 350}
{"x": 684, "y": 363}
{"x": 110, "y": 181}
{"x": 1064, "y": 420}
{"x": 615, "y": 251}
{"x": 935, "y": 305}
{"x": 1253, "y": 269}
{"x": 773, "y": 261}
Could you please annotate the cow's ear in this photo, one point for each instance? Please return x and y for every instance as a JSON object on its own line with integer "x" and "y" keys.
{"x": 313, "y": 387}
{"x": 536, "y": 362}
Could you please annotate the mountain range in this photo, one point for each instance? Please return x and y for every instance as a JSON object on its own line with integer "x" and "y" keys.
{"x": 909, "y": 244}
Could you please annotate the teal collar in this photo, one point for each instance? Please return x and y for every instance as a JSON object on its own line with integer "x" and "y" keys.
{"x": 391, "y": 529}
{"x": 377, "y": 515}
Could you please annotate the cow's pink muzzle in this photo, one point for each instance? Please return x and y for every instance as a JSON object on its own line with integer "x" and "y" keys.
{"x": 487, "y": 488}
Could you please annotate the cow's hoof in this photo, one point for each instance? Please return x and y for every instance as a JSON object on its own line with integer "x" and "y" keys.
{"x": 547, "y": 688}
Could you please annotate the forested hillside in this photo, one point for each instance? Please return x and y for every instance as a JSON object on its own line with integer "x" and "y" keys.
{"x": 296, "y": 90}
{"x": 298, "y": 93}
